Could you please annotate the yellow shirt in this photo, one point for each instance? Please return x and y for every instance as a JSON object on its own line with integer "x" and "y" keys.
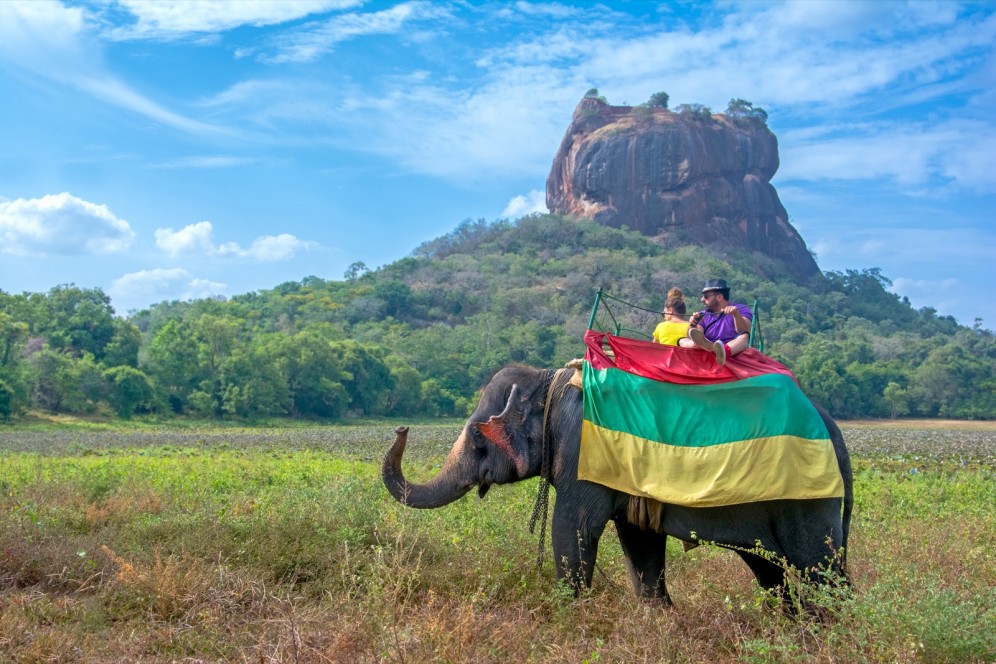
{"x": 668, "y": 332}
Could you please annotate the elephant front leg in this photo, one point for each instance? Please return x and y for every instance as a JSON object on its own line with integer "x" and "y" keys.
{"x": 645, "y": 552}
{"x": 575, "y": 546}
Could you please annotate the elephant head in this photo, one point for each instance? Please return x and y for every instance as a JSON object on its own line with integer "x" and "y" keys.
{"x": 500, "y": 443}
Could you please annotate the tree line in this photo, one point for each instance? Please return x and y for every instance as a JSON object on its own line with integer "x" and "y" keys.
{"x": 419, "y": 337}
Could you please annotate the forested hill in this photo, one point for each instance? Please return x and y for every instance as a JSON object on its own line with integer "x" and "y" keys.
{"x": 418, "y": 337}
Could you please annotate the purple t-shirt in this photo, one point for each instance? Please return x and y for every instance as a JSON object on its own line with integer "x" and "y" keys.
{"x": 720, "y": 326}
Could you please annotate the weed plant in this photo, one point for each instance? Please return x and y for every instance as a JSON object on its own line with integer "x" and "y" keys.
{"x": 281, "y": 545}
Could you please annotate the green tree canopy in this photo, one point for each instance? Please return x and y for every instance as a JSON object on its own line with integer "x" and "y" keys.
{"x": 658, "y": 100}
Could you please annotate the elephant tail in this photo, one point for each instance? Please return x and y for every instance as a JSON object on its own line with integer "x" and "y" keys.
{"x": 846, "y": 519}
{"x": 844, "y": 464}
{"x": 847, "y": 475}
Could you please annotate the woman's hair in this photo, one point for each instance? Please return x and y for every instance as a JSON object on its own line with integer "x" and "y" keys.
{"x": 675, "y": 301}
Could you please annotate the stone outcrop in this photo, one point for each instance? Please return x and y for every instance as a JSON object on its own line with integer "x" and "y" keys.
{"x": 679, "y": 178}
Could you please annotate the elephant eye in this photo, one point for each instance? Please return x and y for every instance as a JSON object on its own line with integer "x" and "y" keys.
{"x": 480, "y": 442}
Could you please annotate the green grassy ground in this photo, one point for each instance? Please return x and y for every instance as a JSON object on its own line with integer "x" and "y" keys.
{"x": 222, "y": 544}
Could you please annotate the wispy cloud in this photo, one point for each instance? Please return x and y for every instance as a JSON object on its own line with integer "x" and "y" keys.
{"x": 61, "y": 224}
{"x": 166, "y": 20}
{"x": 318, "y": 38}
{"x": 197, "y": 239}
{"x": 119, "y": 94}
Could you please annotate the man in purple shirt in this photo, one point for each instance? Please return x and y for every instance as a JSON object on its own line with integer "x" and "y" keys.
{"x": 722, "y": 328}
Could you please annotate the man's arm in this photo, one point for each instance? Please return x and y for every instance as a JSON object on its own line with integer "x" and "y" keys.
{"x": 741, "y": 322}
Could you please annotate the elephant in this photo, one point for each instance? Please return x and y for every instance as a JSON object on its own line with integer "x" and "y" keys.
{"x": 528, "y": 422}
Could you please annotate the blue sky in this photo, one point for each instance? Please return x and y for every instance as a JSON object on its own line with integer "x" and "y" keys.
{"x": 180, "y": 149}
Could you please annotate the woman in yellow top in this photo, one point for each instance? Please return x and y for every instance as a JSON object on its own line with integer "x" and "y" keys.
{"x": 674, "y": 326}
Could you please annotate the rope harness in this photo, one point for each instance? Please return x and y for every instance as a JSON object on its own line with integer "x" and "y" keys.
{"x": 546, "y": 473}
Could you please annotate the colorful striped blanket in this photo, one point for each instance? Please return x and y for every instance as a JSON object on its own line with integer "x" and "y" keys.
{"x": 670, "y": 424}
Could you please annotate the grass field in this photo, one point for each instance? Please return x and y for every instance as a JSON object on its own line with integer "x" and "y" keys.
{"x": 160, "y": 543}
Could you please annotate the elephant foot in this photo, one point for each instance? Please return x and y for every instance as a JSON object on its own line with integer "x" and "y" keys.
{"x": 660, "y": 602}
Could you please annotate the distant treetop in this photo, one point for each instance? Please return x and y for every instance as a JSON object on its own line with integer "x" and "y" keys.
{"x": 695, "y": 112}
{"x": 741, "y": 109}
{"x": 658, "y": 100}
{"x": 593, "y": 94}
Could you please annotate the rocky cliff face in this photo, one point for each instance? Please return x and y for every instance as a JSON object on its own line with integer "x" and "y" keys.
{"x": 677, "y": 178}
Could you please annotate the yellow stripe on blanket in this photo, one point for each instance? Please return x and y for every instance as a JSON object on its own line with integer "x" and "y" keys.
{"x": 771, "y": 468}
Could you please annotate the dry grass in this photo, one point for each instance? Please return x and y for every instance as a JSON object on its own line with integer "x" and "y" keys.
{"x": 192, "y": 548}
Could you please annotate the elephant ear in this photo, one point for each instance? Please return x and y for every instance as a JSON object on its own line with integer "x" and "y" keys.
{"x": 505, "y": 430}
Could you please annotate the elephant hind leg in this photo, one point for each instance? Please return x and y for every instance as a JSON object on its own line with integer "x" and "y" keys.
{"x": 770, "y": 575}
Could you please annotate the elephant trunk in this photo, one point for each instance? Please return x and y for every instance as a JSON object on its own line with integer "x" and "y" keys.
{"x": 444, "y": 488}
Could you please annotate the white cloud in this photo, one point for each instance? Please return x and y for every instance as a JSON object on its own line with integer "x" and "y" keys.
{"x": 534, "y": 201}
{"x": 147, "y": 286}
{"x": 546, "y": 9}
{"x": 189, "y": 239}
{"x": 197, "y": 239}
{"x": 276, "y": 247}
{"x": 268, "y": 248}
{"x": 61, "y": 224}
{"x": 179, "y": 17}
{"x": 318, "y": 38}
{"x": 38, "y": 35}
{"x": 839, "y": 19}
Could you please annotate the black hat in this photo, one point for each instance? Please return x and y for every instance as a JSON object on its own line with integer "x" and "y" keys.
{"x": 716, "y": 284}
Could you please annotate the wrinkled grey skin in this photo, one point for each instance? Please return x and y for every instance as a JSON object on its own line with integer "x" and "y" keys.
{"x": 805, "y": 533}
